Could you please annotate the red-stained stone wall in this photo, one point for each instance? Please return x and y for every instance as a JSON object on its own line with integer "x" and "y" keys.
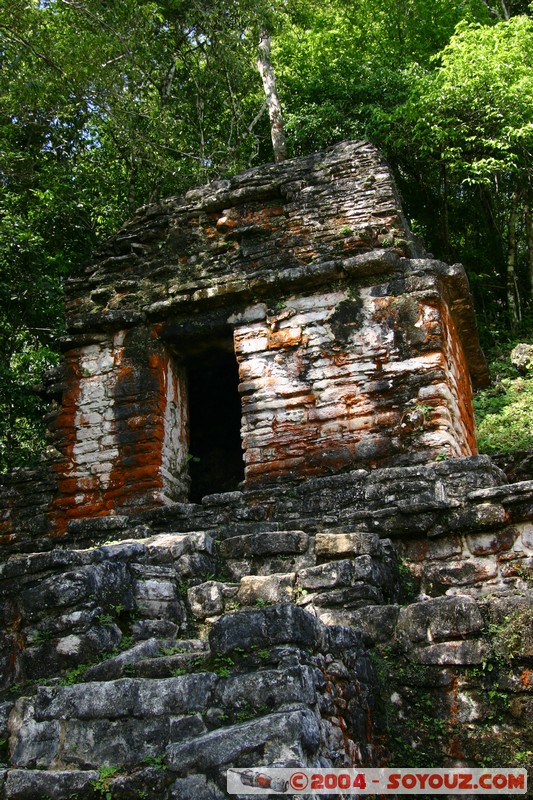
{"x": 361, "y": 376}
{"x": 121, "y": 428}
{"x": 352, "y": 352}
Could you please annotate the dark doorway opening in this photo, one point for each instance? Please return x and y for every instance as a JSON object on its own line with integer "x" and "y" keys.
{"x": 216, "y": 457}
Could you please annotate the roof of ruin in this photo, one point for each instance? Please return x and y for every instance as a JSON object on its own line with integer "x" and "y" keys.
{"x": 278, "y": 228}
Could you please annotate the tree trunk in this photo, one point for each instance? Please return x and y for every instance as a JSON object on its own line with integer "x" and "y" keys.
{"x": 513, "y": 297}
{"x": 529, "y": 236}
{"x": 266, "y": 70}
{"x": 505, "y": 10}
{"x": 445, "y": 214}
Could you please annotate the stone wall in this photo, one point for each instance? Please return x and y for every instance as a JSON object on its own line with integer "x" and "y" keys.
{"x": 117, "y": 411}
{"x": 26, "y": 496}
{"x": 351, "y": 350}
{"x": 375, "y": 618}
{"x": 364, "y": 375}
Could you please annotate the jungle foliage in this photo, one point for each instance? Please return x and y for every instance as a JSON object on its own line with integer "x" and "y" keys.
{"x": 107, "y": 106}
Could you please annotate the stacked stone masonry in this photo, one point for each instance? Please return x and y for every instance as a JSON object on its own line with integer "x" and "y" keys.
{"x": 273, "y": 627}
{"x": 359, "y": 595}
{"x": 348, "y": 348}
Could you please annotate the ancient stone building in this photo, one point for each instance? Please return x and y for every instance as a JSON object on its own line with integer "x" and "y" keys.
{"x": 272, "y": 327}
{"x": 262, "y": 533}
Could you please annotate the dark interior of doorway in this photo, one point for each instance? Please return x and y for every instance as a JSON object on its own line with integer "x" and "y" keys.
{"x": 216, "y": 457}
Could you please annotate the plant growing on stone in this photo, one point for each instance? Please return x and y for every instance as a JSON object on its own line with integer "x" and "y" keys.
{"x": 524, "y": 757}
{"x": 504, "y": 415}
{"x": 245, "y": 714}
{"x": 299, "y": 593}
{"x": 105, "y": 619}
{"x": 224, "y": 672}
{"x": 105, "y": 775}
{"x": 222, "y": 665}
{"x": 43, "y": 636}
{"x": 74, "y": 675}
{"x": 408, "y": 589}
{"x": 508, "y": 636}
{"x": 156, "y": 762}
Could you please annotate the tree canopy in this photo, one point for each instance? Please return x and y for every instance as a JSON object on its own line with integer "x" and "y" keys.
{"x": 107, "y": 106}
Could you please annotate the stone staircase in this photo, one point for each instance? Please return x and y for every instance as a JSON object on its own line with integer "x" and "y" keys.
{"x": 330, "y": 573}
{"x": 145, "y": 667}
{"x": 237, "y": 633}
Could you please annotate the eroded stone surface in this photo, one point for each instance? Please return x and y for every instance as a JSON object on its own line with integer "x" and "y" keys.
{"x": 350, "y": 350}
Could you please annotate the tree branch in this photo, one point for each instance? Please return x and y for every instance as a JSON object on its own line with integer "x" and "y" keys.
{"x": 17, "y": 38}
{"x": 266, "y": 70}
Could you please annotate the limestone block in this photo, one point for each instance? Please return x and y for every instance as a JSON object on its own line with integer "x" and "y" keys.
{"x": 423, "y": 550}
{"x": 122, "y": 743}
{"x": 239, "y": 568}
{"x": 5, "y": 710}
{"x": 335, "y": 573}
{"x": 522, "y": 357}
{"x": 207, "y": 599}
{"x": 153, "y": 589}
{"x": 285, "y": 734}
{"x": 177, "y": 544}
{"x": 33, "y": 744}
{"x": 359, "y": 594}
{"x": 193, "y": 565}
{"x": 24, "y": 784}
{"x": 376, "y": 623}
{"x": 484, "y": 516}
{"x": 186, "y": 727}
{"x": 483, "y": 544}
{"x": 126, "y": 697}
{"x": 156, "y": 593}
{"x": 125, "y": 550}
{"x": 463, "y": 572}
{"x": 195, "y": 786}
{"x": 440, "y": 619}
{"x": 55, "y": 655}
{"x": 98, "y": 525}
{"x": 267, "y": 588}
{"x": 262, "y": 544}
{"x": 148, "y": 628}
{"x": 271, "y": 688}
{"x": 275, "y": 625}
{"x": 74, "y": 587}
{"x": 473, "y": 651}
{"x": 527, "y": 536}
{"x": 346, "y": 544}
{"x": 112, "y": 668}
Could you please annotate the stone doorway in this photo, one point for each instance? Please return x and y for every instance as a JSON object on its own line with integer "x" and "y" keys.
{"x": 215, "y": 449}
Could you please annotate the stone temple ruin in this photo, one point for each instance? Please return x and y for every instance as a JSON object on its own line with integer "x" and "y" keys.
{"x": 261, "y": 532}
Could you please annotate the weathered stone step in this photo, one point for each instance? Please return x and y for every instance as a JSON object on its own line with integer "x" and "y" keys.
{"x": 151, "y": 658}
{"x": 296, "y": 730}
{"x": 171, "y": 665}
{"x": 265, "y": 691}
{"x": 25, "y": 784}
{"x": 330, "y": 570}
